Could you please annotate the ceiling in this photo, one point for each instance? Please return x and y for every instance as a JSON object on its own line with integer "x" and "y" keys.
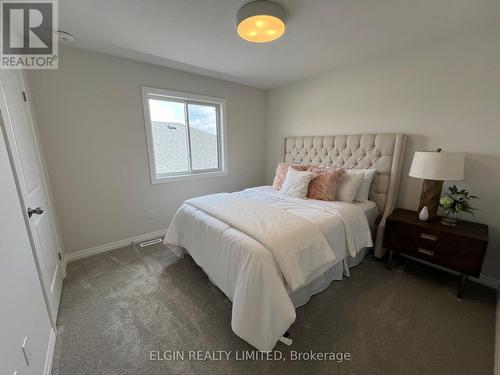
{"x": 199, "y": 35}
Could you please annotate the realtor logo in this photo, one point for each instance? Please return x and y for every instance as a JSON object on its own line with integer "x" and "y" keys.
{"x": 29, "y": 39}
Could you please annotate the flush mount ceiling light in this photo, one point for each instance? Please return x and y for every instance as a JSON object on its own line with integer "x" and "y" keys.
{"x": 261, "y": 21}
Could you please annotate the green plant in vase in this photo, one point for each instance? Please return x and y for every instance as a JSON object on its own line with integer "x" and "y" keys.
{"x": 454, "y": 202}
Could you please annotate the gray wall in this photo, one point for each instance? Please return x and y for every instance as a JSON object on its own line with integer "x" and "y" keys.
{"x": 92, "y": 129}
{"x": 447, "y": 95}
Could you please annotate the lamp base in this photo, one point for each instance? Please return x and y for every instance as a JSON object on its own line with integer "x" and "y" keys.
{"x": 431, "y": 193}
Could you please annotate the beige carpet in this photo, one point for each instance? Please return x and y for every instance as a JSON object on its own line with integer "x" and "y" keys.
{"x": 118, "y": 306}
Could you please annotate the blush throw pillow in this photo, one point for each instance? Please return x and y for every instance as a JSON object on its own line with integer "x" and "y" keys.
{"x": 296, "y": 183}
{"x": 280, "y": 175}
{"x": 281, "y": 171}
{"x": 349, "y": 186}
{"x": 324, "y": 184}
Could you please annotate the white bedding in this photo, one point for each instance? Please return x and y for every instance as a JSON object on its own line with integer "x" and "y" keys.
{"x": 371, "y": 211}
{"x": 282, "y": 233}
{"x": 236, "y": 258}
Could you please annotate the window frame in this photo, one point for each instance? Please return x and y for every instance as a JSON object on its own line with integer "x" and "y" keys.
{"x": 186, "y": 98}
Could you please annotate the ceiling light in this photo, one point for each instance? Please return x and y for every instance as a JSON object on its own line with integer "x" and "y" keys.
{"x": 261, "y": 21}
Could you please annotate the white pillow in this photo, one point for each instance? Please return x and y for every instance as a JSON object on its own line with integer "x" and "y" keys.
{"x": 364, "y": 189}
{"x": 296, "y": 183}
{"x": 349, "y": 186}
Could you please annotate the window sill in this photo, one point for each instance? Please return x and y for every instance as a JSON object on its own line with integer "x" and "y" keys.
{"x": 187, "y": 177}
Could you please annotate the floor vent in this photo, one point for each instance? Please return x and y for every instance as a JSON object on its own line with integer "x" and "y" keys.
{"x": 150, "y": 242}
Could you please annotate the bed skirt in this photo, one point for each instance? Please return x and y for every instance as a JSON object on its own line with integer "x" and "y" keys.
{"x": 302, "y": 295}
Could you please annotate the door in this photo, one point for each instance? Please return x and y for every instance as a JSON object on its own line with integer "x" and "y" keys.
{"x": 25, "y": 157}
{"x": 26, "y": 334}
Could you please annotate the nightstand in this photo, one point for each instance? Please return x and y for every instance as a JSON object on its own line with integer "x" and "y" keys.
{"x": 460, "y": 248}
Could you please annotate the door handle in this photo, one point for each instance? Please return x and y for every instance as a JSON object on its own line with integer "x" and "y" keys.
{"x": 37, "y": 211}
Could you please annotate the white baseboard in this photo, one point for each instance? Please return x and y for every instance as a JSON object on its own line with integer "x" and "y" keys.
{"x": 47, "y": 369}
{"x": 70, "y": 257}
{"x": 482, "y": 279}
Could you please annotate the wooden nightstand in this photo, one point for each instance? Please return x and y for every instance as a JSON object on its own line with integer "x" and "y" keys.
{"x": 459, "y": 248}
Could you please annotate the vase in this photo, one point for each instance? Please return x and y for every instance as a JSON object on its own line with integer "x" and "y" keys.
{"x": 449, "y": 219}
{"x": 424, "y": 214}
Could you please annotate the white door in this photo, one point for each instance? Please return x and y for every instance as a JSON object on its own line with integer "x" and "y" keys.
{"x": 24, "y": 152}
{"x": 24, "y": 318}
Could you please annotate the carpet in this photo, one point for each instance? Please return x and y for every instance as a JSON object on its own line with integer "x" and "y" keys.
{"x": 129, "y": 310}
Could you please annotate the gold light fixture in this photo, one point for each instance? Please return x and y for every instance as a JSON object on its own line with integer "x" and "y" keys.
{"x": 261, "y": 21}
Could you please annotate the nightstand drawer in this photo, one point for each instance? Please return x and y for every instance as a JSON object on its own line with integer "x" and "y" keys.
{"x": 413, "y": 237}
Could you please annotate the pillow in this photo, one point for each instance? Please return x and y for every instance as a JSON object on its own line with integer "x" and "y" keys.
{"x": 296, "y": 183}
{"x": 364, "y": 189}
{"x": 281, "y": 171}
{"x": 324, "y": 184}
{"x": 349, "y": 186}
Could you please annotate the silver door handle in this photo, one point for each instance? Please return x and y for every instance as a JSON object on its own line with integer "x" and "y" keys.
{"x": 37, "y": 211}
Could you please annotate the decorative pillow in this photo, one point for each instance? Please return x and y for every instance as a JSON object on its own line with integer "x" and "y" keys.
{"x": 364, "y": 189}
{"x": 296, "y": 183}
{"x": 349, "y": 186}
{"x": 281, "y": 171}
{"x": 324, "y": 185}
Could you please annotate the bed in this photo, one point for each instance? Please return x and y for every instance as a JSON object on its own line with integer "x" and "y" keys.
{"x": 269, "y": 253}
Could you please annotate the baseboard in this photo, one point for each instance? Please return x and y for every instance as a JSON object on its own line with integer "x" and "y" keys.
{"x": 47, "y": 369}
{"x": 488, "y": 281}
{"x": 70, "y": 257}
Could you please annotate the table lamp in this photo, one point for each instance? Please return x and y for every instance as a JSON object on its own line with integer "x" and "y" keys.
{"x": 435, "y": 167}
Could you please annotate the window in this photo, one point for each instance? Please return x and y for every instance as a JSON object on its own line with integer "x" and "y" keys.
{"x": 185, "y": 135}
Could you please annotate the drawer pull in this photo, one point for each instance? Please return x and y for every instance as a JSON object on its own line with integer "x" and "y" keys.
{"x": 428, "y": 236}
{"x": 425, "y": 251}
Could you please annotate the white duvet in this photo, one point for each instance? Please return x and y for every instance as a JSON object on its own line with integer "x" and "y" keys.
{"x": 259, "y": 245}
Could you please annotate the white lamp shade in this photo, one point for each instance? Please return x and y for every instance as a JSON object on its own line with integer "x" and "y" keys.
{"x": 441, "y": 166}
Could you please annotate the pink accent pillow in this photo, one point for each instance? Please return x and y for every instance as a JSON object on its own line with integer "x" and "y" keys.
{"x": 281, "y": 173}
{"x": 324, "y": 185}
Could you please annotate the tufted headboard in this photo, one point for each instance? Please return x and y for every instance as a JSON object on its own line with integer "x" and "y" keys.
{"x": 384, "y": 152}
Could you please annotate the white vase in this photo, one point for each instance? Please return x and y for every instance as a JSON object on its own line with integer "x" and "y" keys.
{"x": 424, "y": 214}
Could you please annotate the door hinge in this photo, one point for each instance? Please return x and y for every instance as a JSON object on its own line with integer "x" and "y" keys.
{"x": 59, "y": 256}
{"x": 25, "y": 97}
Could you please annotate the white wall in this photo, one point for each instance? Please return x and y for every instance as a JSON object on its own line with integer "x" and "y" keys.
{"x": 92, "y": 129}
{"x": 447, "y": 95}
{"x": 23, "y": 310}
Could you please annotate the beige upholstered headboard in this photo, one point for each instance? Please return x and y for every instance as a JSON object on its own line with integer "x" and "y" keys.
{"x": 384, "y": 152}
